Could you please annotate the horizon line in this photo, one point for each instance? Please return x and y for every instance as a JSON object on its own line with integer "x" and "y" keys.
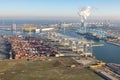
{"x": 58, "y": 17}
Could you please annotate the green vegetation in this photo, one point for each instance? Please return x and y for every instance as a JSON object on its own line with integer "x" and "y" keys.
{"x": 54, "y": 69}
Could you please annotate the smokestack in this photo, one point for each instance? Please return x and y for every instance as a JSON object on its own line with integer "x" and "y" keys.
{"x": 82, "y": 24}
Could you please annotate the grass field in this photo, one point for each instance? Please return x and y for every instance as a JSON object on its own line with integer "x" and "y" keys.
{"x": 56, "y": 69}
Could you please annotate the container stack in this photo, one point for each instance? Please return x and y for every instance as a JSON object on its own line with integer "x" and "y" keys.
{"x": 30, "y": 48}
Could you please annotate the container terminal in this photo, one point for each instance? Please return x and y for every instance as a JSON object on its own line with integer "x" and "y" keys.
{"x": 58, "y": 45}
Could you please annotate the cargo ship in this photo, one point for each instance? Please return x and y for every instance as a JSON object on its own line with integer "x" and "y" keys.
{"x": 89, "y": 36}
{"x": 92, "y": 36}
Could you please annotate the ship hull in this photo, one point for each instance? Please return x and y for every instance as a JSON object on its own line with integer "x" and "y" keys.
{"x": 89, "y": 36}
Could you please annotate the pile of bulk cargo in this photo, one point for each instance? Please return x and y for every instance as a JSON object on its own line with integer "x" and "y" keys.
{"x": 30, "y": 48}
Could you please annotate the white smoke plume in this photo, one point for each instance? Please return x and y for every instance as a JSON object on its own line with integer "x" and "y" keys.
{"x": 84, "y": 13}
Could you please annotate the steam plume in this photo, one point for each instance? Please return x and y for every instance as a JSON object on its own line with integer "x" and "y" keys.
{"x": 84, "y": 13}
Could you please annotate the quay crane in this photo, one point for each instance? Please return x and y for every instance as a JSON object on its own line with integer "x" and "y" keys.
{"x": 82, "y": 47}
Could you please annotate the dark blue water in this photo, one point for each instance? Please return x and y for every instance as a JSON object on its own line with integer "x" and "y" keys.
{"x": 108, "y": 53}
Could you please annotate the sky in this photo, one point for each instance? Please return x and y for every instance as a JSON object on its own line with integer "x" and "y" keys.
{"x": 57, "y": 8}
